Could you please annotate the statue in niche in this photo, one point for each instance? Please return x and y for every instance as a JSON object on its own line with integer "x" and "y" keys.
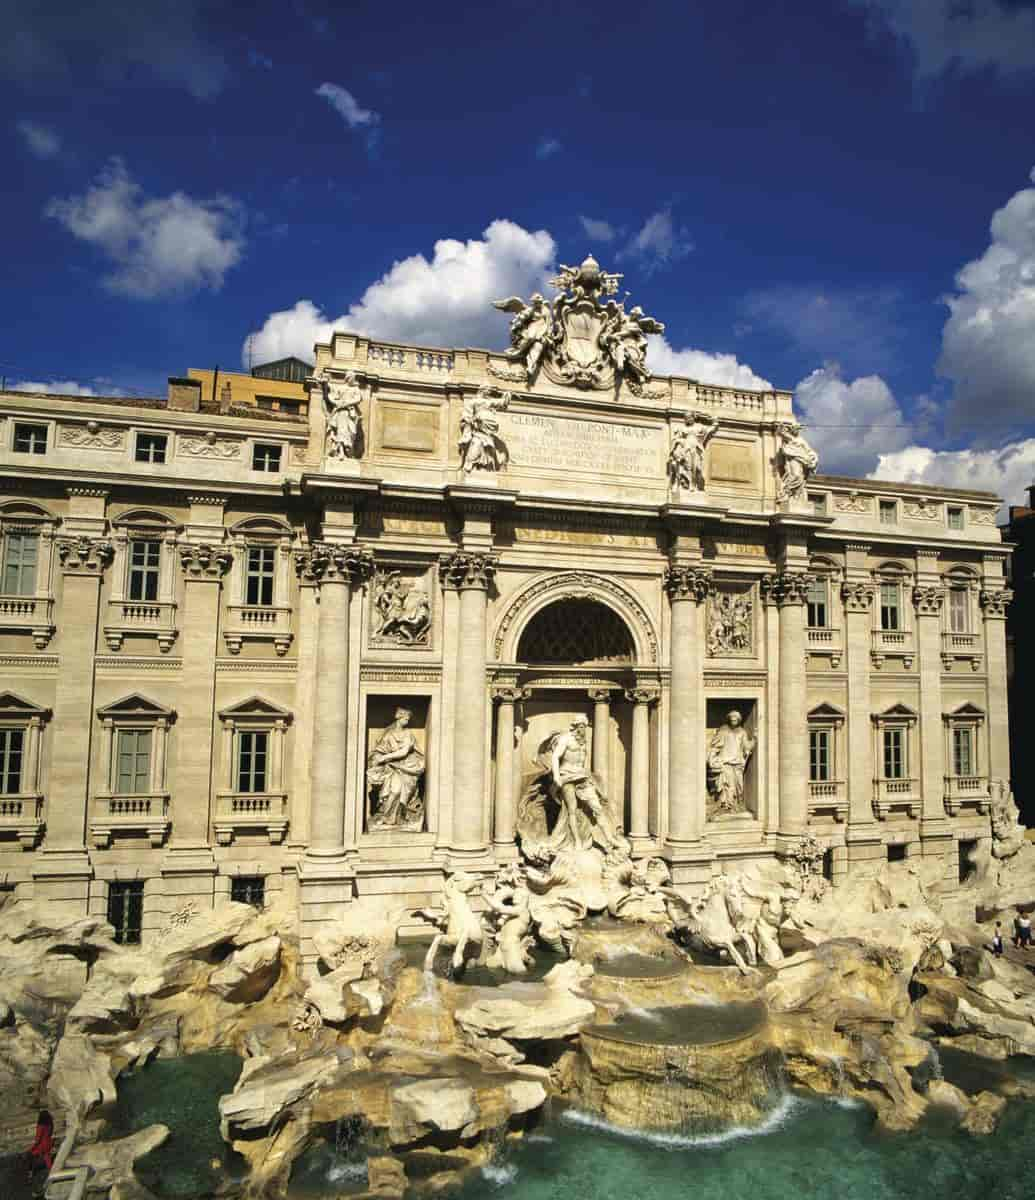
{"x": 530, "y": 329}
{"x": 402, "y": 611}
{"x": 480, "y": 444}
{"x": 796, "y": 462}
{"x": 729, "y": 624}
{"x": 565, "y": 807}
{"x": 395, "y": 770}
{"x": 342, "y": 402}
{"x": 729, "y": 750}
{"x": 686, "y": 457}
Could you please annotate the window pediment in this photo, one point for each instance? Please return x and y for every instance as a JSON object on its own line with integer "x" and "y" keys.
{"x": 145, "y": 518}
{"x": 254, "y": 708}
{"x": 897, "y": 712}
{"x": 135, "y": 707}
{"x": 262, "y": 527}
{"x": 14, "y": 706}
{"x": 966, "y": 712}
{"x": 826, "y": 712}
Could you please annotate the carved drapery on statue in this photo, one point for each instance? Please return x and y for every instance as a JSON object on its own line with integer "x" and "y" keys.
{"x": 480, "y": 445}
{"x": 796, "y": 462}
{"x": 729, "y": 751}
{"x": 577, "y": 339}
{"x": 395, "y": 773}
{"x": 730, "y": 623}
{"x": 686, "y": 455}
{"x": 342, "y": 400}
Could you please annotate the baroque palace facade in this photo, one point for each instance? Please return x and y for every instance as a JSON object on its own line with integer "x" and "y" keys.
{"x": 257, "y": 652}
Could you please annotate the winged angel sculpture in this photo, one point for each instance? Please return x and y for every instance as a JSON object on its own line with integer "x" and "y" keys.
{"x": 585, "y": 341}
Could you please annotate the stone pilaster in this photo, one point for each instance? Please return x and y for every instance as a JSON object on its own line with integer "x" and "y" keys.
{"x": 470, "y": 573}
{"x": 306, "y": 644}
{"x": 994, "y": 599}
{"x": 601, "y": 698}
{"x": 788, "y": 591}
{"x": 641, "y": 699}
{"x": 63, "y": 871}
{"x": 928, "y": 597}
{"x": 687, "y": 588}
{"x": 506, "y": 696}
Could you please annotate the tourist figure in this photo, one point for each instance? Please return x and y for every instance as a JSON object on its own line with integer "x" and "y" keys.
{"x": 997, "y": 940}
{"x": 394, "y": 772}
{"x": 480, "y": 444}
{"x": 729, "y": 750}
{"x": 41, "y": 1153}
{"x": 342, "y": 401}
{"x": 797, "y": 461}
{"x": 1024, "y": 930}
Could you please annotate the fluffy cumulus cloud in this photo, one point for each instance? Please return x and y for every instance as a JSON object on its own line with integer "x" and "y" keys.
{"x": 1006, "y": 471}
{"x": 988, "y": 343}
{"x": 718, "y": 370}
{"x": 658, "y": 243}
{"x": 121, "y": 40}
{"x": 598, "y": 231}
{"x": 40, "y": 140}
{"x": 946, "y": 35}
{"x": 850, "y": 423}
{"x": 157, "y": 246}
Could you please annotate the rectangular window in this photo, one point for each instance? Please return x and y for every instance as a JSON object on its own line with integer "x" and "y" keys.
{"x": 151, "y": 447}
{"x": 12, "y": 743}
{"x": 894, "y": 754}
{"x": 251, "y": 761}
{"x": 817, "y": 602}
{"x": 963, "y": 752}
{"x": 248, "y": 889}
{"x": 144, "y": 559}
{"x": 896, "y": 852}
{"x": 888, "y": 512}
{"x": 959, "y": 610}
{"x": 265, "y": 457}
{"x": 259, "y": 575}
{"x": 819, "y": 503}
{"x": 30, "y": 439}
{"x": 126, "y": 910}
{"x": 820, "y": 765}
{"x": 890, "y": 613}
{"x": 133, "y": 761}
{"x": 21, "y": 554}
{"x": 955, "y": 518}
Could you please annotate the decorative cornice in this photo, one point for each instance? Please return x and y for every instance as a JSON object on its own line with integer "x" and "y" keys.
{"x": 688, "y": 583}
{"x": 785, "y": 588}
{"x": 129, "y": 664}
{"x": 464, "y": 570}
{"x": 32, "y": 661}
{"x": 928, "y": 600}
{"x": 328, "y": 562}
{"x": 84, "y": 555}
{"x": 399, "y": 674}
{"x": 209, "y": 498}
{"x": 857, "y": 595}
{"x": 200, "y": 560}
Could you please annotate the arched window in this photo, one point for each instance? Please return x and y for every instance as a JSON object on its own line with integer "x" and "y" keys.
{"x": 576, "y": 632}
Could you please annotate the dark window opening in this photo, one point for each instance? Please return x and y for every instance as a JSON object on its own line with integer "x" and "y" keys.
{"x": 151, "y": 447}
{"x": 248, "y": 889}
{"x": 12, "y": 742}
{"x": 259, "y": 575}
{"x": 897, "y": 852}
{"x": 965, "y": 851}
{"x": 265, "y": 457}
{"x": 251, "y": 762}
{"x": 30, "y": 439}
{"x": 126, "y": 910}
{"x": 144, "y": 559}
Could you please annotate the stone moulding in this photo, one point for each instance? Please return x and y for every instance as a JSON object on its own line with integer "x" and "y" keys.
{"x": 580, "y": 585}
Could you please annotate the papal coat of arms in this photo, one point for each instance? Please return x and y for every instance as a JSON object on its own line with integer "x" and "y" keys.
{"x": 578, "y": 338}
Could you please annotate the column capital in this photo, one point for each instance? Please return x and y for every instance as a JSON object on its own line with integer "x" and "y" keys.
{"x": 465, "y": 570}
{"x": 928, "y": 600}
{"x": 328, "y": 562}
{"x": 84, "y": 555}
{"x": 201, "y": 560}
{"x": 994, "y": 602}
{"x": 507, "y": 693}
{"x": 643, "y": 694}
{"x": 688, "y": 583}
{"x": 857, "y": 595}
{"x": 784, "y": 588}
{"x": 600, "y": 695}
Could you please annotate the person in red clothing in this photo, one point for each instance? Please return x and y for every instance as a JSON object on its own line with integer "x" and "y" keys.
{"x": 41, "y": 1152}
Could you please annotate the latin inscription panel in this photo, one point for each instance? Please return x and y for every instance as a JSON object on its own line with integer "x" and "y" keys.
{"x": 577, "y": 444}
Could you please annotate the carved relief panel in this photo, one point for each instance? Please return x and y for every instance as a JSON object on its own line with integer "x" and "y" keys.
{"x": 400, "y": 606}
{"x": 730, "y": 628}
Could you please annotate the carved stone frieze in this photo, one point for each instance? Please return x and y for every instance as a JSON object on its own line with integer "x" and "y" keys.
{"x": 91, "y": 436}
{"x": 982, "y": 516}
{"x": 852, "y": 503}
{"x": 209, "y": 446}
{"x": 200, "y": 560}
{"x": 731, "y": 620}
{"x": 508, "y": 374}
{"x": 400, "y": 611}
{"x": 466, "y": 569}
{"x": 688, "y": 583}
{"x": 928, "y": 600}
{"x": 785, "y": 588}
{"x": 994, "y": 603}
{"x": 85, "y": 555}
{"x": 923, "y": 509}
{"x": 857, "y": 595}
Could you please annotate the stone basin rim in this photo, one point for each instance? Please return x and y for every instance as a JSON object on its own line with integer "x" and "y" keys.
{"x": 605, "y": 1032}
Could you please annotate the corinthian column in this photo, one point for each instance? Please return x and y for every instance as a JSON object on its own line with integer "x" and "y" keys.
{"x": 687, "y": 587}
{"x": 506, "y": 696}
{"x": 788, "y": 589}
{"x": 469, "y": 573}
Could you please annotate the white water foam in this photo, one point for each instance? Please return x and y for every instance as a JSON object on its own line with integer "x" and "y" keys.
{"x": 500, "y": 1176}
{"x": 682, "y": 1141}
{"x": 341, "y": 1172}
{"x": 539, "y": 1137}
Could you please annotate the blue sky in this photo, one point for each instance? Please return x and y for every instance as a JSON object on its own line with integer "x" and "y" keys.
{"x": 835, "y": 198}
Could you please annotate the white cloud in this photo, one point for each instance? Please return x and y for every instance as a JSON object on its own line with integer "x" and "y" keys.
{"x": 658, "y": 243}
{"x": 851, "y": 425}
{"x": 718, "y": 370}
{"x": 945, "y": 35}
{"x": 598, "y": 231}
{"x": 988, "y": 343}
{"x": 547, "y": 147}
{"x": 41, "y": 140}
{"x": 444, "y": 301}
{"x": 59, "y": 387}
{"x": 347, "y": 106}
{"x": 1007, "y": 471}
{"x": 158, "y": 245}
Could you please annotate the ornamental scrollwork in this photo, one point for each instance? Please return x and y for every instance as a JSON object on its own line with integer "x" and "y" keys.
{"x": 928, "y": 600}
{"x": 328, "y": 562}
{"x": 200, "y": 560}
{"x": 84, "y": 553}
{"x": 994, "y": 603}
{"x": 466, "y": 569}
{"x": 688, "y": 583}
{"x": 785, "y": 588}
{"x": 857, "y": 595}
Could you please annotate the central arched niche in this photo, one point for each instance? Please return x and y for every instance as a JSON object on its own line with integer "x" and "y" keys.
{"x": 576, "y": 632}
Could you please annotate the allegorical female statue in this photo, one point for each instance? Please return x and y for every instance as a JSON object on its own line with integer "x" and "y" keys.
{"x": 729, "y": 750}
{"x": 342, "y": 401}
{"x": 480, "y": 444}
{"x": 395, "y": 769}
{"x": 796, "y": 460}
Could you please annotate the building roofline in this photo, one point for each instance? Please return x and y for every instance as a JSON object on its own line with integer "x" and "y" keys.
{"x": 873, "y": 486}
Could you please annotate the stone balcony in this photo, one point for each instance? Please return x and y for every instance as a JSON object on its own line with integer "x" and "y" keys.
{"x": 828, "y": 796}
{"x": 28, "y": 614}
{"x": 22, "y": 816}
{"x": 961, "y": 647}
{"x": 892, "y": 643}
{"x": 152, "y": 618}
{"x": 892, "y": 794}
{"x": 827, "y": 641}
{"x": 133, "y": 814}
{"x": 251, "y": 812}
{"x": 258, "y": 623}
{"x": 969, "y": 790}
